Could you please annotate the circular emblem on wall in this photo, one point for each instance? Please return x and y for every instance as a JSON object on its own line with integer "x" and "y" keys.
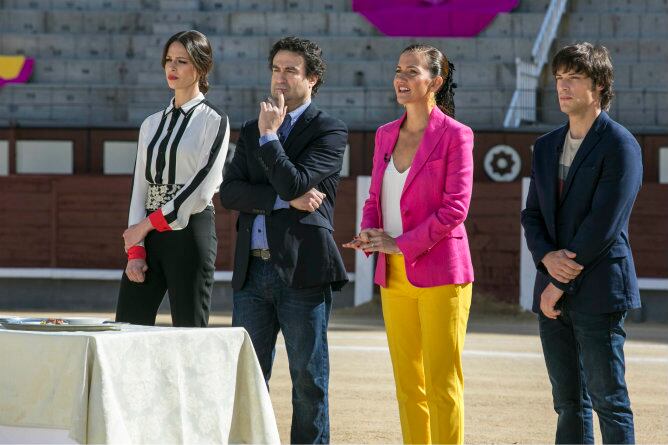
{"x": 502, "y": 163}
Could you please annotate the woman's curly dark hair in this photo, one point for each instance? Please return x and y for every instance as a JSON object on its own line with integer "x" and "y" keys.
{"x": 312, "y": 54}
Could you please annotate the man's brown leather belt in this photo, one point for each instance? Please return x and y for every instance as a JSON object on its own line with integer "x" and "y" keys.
{"x": 261, "y": 253}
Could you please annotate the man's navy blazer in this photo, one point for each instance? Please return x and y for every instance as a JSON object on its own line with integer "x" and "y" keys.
{"x": 590, "y": 217}
{"x": 301, "y": 243}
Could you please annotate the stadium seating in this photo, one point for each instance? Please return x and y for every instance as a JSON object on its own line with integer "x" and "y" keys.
{"x": 97, "y": 62}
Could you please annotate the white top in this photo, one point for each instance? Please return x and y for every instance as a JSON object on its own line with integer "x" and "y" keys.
{"x": 571, "y": 147}
{"x": 183, "y": 149}
{"x": 393, "y": 185}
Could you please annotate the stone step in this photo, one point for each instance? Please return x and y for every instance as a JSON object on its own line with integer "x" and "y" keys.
{"x": 170, "y": 28}
{"x": 229, "y": 22}
{"x": 179, "y": 5}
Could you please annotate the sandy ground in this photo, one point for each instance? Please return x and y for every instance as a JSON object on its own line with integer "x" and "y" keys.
{"x": 507, "y": 390}
{"x": 507, "y": 393}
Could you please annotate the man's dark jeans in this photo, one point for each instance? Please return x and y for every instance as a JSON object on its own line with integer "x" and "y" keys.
{"x": 584, "y": 354}
{"x": 263, "y": 306}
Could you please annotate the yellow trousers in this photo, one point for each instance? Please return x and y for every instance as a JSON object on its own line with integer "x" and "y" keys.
{"x": 425, "y": 333}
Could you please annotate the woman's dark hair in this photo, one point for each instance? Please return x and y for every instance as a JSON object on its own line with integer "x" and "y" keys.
{"x": 593, "y": 61}
{"x": 199, "y": 50}
{"x": 438, "y": 65}
{"x": 312, "y": 54}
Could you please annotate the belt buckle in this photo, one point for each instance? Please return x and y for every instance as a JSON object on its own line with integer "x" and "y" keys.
{"x": 263, "y": 254}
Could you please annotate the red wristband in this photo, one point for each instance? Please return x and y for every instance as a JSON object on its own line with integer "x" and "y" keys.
{"x": 159, "y": 222}
{"x": 137, "y": 253}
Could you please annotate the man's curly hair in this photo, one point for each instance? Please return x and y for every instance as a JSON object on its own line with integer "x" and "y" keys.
{"x": 312, "y": 54}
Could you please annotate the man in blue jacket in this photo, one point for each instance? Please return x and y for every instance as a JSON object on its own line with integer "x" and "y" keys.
{"x": 584, "y": 181}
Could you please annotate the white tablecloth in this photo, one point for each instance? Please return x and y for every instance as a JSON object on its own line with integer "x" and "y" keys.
{"x": 140, "y": 385}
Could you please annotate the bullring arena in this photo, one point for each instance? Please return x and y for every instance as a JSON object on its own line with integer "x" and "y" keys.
{"x": 78, "y": 77}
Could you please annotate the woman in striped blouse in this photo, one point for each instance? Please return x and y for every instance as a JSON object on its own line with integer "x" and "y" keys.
{"x": 171, "y": 239}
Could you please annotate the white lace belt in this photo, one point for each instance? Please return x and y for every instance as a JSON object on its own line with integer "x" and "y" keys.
{"x": 160, "y": 194}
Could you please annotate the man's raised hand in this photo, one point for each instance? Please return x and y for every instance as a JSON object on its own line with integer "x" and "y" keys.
{"x": 272, "y": 114}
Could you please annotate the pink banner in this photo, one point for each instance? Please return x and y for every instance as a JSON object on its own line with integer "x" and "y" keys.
{"x": 432, "y": 18}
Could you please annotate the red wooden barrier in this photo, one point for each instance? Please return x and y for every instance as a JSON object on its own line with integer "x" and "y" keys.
{"x": 77, "y": 222}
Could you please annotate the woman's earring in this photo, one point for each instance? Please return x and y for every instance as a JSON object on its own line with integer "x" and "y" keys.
{"x": 432, "y": 99}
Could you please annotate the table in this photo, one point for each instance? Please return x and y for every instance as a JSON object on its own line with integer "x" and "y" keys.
{"x": 139, "y": 385}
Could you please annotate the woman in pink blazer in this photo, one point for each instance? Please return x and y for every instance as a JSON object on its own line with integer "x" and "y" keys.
{"x": 414, "y": 218}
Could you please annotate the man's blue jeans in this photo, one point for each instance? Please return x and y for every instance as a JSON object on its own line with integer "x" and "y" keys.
{"x": 266, "y": 305}
{"x": 584, "y": 354}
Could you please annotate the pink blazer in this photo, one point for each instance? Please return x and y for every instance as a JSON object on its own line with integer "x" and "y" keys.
{"x": 434, "y": 202}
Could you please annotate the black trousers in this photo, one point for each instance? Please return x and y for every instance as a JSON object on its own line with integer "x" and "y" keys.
{"x": 181, "y": 262}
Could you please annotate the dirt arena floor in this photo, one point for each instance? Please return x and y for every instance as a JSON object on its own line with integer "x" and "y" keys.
{"x": 507, "y": 391}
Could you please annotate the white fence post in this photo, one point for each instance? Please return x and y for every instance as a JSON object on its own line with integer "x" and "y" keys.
{"x": 527, "y": 268}
{"x": 364, "y": 267}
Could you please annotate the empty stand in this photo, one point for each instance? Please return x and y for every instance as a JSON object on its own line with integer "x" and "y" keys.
{"x": 97, "y": 61}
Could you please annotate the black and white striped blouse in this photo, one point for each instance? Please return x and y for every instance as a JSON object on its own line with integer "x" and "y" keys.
{"x": 179, "y": 166}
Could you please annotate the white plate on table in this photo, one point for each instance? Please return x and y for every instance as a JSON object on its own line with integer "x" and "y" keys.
{"x": 85, "y": 320}
{"x": 15, "y": 319}
{"x": 70, "y": 324}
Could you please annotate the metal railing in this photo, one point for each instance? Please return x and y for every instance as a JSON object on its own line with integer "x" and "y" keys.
{"x": 523, "y": 103}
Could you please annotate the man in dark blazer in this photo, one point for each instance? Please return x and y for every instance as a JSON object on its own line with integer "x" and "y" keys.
{"x": 283, "y": 181}
{"x": 584, "y": 181}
